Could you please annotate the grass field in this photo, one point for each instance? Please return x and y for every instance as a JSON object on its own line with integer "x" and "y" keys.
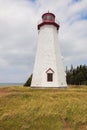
{"x": 23, "y": 108}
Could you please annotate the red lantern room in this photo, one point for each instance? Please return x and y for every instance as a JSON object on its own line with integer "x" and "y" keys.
{"x": 48, "y": 19}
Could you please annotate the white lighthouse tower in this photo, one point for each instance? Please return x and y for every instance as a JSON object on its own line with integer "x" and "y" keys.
{"x": 48, "y": 68}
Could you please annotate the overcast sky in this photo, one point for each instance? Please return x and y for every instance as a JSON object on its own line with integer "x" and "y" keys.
{"x": 18, "y": 34}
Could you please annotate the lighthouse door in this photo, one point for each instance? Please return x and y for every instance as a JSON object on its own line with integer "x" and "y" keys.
{"x": 49, "y": 73}
{"x": 49, "y": 77}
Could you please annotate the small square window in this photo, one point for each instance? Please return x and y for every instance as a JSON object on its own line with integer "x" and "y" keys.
{"x": 49, "y": 77}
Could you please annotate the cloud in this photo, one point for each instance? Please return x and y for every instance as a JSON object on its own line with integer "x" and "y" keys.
{"x": 18, "y": 34}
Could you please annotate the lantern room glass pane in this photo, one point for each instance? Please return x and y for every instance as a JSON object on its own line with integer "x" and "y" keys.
{"x": 48, "y": 17}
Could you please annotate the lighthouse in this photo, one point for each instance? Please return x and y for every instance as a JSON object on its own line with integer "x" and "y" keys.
{"x": 48, "y": 68}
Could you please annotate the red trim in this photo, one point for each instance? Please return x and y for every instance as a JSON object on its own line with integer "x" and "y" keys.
{"x": 49, "y": 69}
{"x": 48, "y": 23}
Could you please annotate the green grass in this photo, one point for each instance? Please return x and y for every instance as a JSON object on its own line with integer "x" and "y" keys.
{"x": 24, "y": 108}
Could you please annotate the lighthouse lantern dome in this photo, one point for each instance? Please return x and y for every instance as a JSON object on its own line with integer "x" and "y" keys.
{"x": 48, "y": 17}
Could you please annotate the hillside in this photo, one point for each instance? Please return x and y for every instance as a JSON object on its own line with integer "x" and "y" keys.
{"x": 23, "y": 108}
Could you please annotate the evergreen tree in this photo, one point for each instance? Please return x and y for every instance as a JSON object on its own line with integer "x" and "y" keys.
{"x": 28, "y": 82}
{"x": 77, "y": 75}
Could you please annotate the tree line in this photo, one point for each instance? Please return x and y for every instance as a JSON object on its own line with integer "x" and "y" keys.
{"x": 74, "y": 76}
{"x": 77, "y": 76}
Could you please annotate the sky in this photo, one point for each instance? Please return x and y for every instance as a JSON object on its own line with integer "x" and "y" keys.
{"x": 19, "y": 34}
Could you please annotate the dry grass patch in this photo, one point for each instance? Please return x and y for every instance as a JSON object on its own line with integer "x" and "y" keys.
{"x": 43, "y": 109}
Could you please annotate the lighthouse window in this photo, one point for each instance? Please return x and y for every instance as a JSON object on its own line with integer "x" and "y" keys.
{"x": 45, "y": 17}
{"x": 49, "y": 77}
{"x": 49, "y": 17}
